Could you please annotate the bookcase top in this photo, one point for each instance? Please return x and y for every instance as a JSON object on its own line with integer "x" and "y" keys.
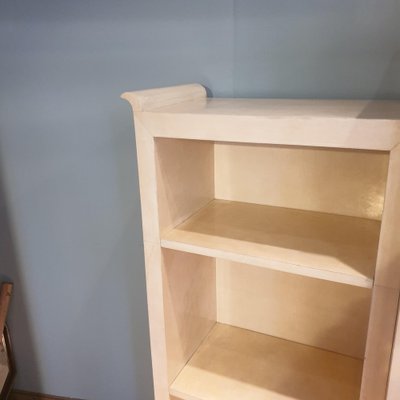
{"x": 185, "y": 112}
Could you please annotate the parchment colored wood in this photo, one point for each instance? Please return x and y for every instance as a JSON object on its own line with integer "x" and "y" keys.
{"x": 155, "y": 303}
{"x": 151, "y": 233}
{"x": 393, "y": 391}
{"x": 325, "y": 246}
{"x": 5, "y": 298}
{"x": 153, "y": 260}
{"x": 147, "y": 169}
{"x": 185, "y": 179}
{"x": 185, "y": 183}
{"x": 318, "y": 313}
{"x": 190, "y": 305}
{"x": 382, "y": 324}
{"x": 323, "y": 123}
{"x": 326, "y": 180}
{"x": 388, "y": 263}
{"x": 379, "y": 343}
{"x": 150, "y": 99}
{"x": 177, "y": 178}
{"x": 235, "y": 363}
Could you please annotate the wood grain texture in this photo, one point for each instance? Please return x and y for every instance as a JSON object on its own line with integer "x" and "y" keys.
{"x": 189, "y": 303}
{"x": 147, "y": 170}
{"x": 153, "y": 203}
{"x": 380, "y": 339}
{"x": 234, "y": 363}
{"x": 388, "y": 263}
{"x": 291, "y": 109}
{"x": 325, "y": 246}
{"x": 322, "y": 123}
{"x": 155, "y": 304}
{"x": 152, "y": 255}
{"x": 185, "y": 183}
{"x": 5, "y": 298}
{"x": 185, "y": 179}
{"x": 326, "y": 180}
{"x": 178, "y": 177}
{"x": 150, "y": 99}
{"x": 318, "y": 313}
{"x": 393, "y": 391}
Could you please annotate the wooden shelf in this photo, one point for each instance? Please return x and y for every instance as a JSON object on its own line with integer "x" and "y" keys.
{"x": 234, "y": 363}
{"x": 319, "y": 245}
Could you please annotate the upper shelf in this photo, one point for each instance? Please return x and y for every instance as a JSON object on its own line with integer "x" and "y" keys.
{"x": 325, "y": 246}
{"x": 186, "y": 112}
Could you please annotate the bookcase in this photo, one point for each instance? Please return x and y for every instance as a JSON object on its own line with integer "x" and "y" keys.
{"x": 271, "y": 233}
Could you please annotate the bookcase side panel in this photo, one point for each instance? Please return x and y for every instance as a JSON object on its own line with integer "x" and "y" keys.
{"x": 154, "y": 287}
{"x": 184, "y": 184}
{"x": 379, "y": 343}
{"x": 153, "y": 260}
{"x": 189, "y": 303}
{"x": 388, "y": 262}
{"x": 145, "y": 150}
{"x": 185, "y": 178}
{"x": 394, "y": 377}
{"x": 382, "y": 345}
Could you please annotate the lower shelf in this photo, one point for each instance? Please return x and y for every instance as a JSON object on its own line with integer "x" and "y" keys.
{"x": 234, "y": 363}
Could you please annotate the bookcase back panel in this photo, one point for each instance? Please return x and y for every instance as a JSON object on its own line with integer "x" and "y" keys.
{"x": 189, "y": 285}
{"x": 311, "y": 311}
{"x": 328, "y": 180}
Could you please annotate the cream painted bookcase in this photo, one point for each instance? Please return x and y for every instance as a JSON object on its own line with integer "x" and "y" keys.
{"x": 272, "y": 245}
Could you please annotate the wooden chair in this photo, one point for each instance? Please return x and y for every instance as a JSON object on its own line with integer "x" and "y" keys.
{"x": 7, "y": 367}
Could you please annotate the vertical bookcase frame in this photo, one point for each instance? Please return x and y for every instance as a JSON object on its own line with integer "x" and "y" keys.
{"x": 166, "y": 113}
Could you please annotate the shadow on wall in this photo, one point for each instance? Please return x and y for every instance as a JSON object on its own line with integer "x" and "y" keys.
{"x": 23, "y": 346}
{"x": 390, "y": 82}
{"x": 390, "y": 79}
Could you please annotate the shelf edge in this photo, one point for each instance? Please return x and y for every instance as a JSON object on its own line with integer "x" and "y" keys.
{"x": 270, "y": 264}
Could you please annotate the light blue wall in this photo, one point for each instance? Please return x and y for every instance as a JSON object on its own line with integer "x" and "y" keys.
{"x": 70, "y": 234}
{"x": 317, "y": 48}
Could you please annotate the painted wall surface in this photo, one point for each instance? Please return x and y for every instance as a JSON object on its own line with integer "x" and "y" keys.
{"x": 70, "y": 227}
